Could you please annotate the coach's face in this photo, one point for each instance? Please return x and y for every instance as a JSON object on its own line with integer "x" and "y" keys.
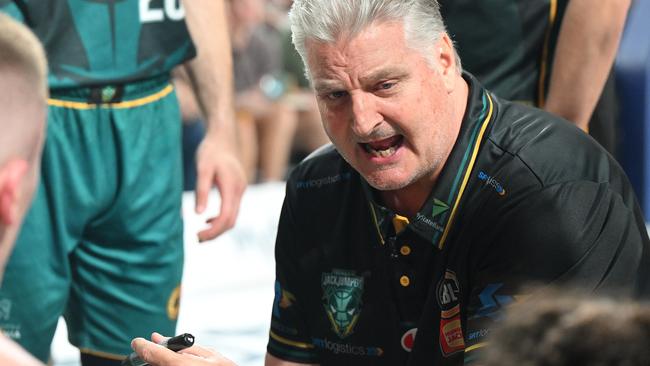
{"x": 388, "y": 111}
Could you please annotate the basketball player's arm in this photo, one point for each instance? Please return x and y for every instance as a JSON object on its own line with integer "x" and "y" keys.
{"x": 217, "y": 157}
{"x": 274, "y": 361}
{"x": 585, "y": 52}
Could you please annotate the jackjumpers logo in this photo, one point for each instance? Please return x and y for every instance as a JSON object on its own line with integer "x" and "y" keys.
{"x": 342, "y": 292}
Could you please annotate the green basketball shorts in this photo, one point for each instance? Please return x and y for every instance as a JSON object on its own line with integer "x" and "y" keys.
{"x": 102, "y": 244}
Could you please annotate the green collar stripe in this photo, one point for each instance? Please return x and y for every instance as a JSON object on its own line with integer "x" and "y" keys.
{"x": 470, "y": 166}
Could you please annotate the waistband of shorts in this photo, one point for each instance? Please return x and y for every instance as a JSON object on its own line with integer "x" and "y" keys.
{"x": 113, "y": 94}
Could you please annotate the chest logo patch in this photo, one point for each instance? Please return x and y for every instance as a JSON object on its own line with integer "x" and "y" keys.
{"x": 342, "y": 293}
{"x": 451, "y": 332}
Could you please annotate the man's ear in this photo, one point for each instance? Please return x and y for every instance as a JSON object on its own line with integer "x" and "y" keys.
{"x": 11, "y": 185}
{"x": 447, "y": 61}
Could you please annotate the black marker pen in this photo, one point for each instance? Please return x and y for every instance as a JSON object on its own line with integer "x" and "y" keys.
{"x": 175, "y": 344}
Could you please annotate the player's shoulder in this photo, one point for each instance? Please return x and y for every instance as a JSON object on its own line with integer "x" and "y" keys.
{"x": 553, "y": 149}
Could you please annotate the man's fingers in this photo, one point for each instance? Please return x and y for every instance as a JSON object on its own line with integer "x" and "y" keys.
{"x": 199, "y": 351}
{"x": 231, "y": 194}
{"x": 203, "y": 185}
{"x": 153, "y": 353}
{"x": 157, "y": 337}
{"x": 217, "y": 227}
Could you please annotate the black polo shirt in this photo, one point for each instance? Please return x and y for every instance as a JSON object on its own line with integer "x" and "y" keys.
{"x": 524, "y": 196}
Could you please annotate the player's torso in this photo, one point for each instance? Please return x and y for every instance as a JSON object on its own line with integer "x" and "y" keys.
{"x": 94, "y": 42}
{"x": 506, "y": 43}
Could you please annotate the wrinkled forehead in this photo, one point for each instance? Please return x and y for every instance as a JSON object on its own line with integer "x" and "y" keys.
{"x": 380, "y": 45}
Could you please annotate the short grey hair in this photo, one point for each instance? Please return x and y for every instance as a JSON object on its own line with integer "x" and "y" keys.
{"x": 329, "y": 20}
{"x": 21, "y": 51}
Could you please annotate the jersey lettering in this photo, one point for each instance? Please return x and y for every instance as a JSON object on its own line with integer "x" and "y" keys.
{"x": 172, "y": 9}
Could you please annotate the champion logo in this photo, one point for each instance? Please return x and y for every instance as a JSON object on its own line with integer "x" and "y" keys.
{"x": 408, "y": 339}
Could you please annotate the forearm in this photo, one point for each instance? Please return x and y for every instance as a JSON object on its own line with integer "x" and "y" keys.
{"x": 211, "y": 71}
{"x": 586, "y": 48}
{"x": 190, "y": 110}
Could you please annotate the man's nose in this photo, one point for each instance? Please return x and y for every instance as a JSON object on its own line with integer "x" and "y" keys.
{"x": 365, "y": 116}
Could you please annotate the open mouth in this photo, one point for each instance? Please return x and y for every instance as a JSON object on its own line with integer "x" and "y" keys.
{"x": 383, "y": 148}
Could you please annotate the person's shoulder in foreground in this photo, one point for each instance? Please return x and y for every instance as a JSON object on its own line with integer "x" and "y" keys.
{"x": 23, "y": 103}
{"x": 560, "y": 327}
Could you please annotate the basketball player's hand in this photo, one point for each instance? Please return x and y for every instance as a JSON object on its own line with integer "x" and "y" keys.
{"x": 157, "y": 355}
{"x": 218, "y": 164}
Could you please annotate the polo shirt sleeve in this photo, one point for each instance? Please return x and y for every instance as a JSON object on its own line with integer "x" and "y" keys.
{"x": 288, "y": 337}
{"x": 582, "y": 235}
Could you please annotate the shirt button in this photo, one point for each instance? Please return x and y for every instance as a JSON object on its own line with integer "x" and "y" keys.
{"x": 404, "y": 281}
{"x": 405, "y": 250}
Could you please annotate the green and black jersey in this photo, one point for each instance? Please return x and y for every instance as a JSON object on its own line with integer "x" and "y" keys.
{"x": 507, "y": 44}
{"x": 99, "y": 42}
{"x": 524, "y": 197}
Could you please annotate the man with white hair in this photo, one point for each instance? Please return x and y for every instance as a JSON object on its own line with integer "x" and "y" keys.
{"x": 23, "y": 103}
{"x": 437, "y": 204}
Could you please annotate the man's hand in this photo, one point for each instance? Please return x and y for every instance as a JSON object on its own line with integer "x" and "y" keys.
{"x": 216, "y": 164}
{"x": 157, "y": 355}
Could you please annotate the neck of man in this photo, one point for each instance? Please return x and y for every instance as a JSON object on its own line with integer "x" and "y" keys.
{"x": 408, "y": 200}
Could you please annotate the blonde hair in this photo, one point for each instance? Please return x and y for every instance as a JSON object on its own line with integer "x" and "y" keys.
{"x": 21, "y": 51}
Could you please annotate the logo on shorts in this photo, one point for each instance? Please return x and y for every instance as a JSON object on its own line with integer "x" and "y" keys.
{"x": 342, "y": 292}
{"x": 174, "y": 303}
{"x": 5, "y": 309}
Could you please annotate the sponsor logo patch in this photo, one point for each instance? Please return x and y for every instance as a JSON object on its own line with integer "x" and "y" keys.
{"x": 408, "y": 339}
{"x": 448, "y": 291}
{"x": 492, "y": 182}
{"x": 342, "y": 292}
{"x": 324, "y": 181}
{"x": 451, "y": 332}
{"x": 345, "y": 348}
{"x": 436, "y": 226}
{"x": 451, "y": 336}
{"x": 438, "y": 207}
